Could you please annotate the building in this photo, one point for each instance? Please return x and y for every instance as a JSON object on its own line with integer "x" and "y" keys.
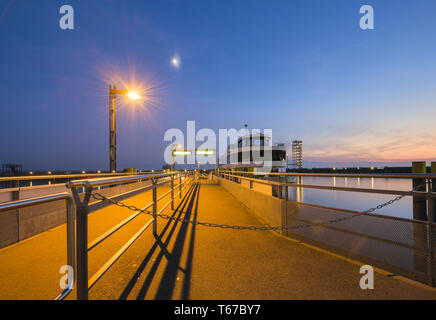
{"x": 9, "y": 170}
{"x": 297, "y": 154}
{"x": 240, "y": 156}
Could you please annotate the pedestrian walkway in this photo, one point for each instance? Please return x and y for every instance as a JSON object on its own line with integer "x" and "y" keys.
{"x": 195, "y": 262}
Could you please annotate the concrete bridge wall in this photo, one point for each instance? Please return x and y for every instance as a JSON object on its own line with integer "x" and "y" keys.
{"x": 258, "y": 199}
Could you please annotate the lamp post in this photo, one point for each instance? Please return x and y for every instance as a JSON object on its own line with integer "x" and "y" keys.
{"x": 113, "y": 91}
{"x": 175, "y": 146}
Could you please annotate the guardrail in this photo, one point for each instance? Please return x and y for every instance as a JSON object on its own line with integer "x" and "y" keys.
{"x": 429, "y": 178}
{"x": 403, "y": 246}
{"x": 14, "y": 205}
{"x": 84, "y": 283}
{"x": 28, "y": 181}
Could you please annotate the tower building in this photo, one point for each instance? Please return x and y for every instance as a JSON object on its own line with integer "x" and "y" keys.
{"x": 297, "y": 154}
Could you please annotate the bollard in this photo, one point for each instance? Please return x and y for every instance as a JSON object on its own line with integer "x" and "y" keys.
{"x": 419, "y": 203}
{"x": 154, "y": 182}
{"x": 180, "y": 186}
{"x": 420, "y": 213}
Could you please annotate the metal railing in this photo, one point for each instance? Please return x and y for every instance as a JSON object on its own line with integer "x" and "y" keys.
{"x": 15, "y": 205}
{"x": 404, "y": 246}
{"x": 84, "y": 283}
{"x": 48, "y": 179}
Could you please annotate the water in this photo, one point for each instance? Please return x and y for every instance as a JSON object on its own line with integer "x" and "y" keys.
{"x": 356, "y": 200}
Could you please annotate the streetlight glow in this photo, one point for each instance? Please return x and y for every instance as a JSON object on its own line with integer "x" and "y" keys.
{"x": 133, "y": 95}
{"x": 205, "y": 152}
{"x": 181, "y": 153}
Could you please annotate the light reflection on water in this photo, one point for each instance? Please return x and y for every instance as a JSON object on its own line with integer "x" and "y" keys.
{"x": 356, "y": 200}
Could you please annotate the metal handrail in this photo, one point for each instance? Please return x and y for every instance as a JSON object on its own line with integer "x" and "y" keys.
{"x": 428, "y": 195}
{"x": 344, "y": 175}
{"x": 349, "y": 189}
{"x": 426, "y": 181}
{"x": 62, "y": 176}
{"x": 92, "y": 183}
{"x": 100, "y": 272}
{"x": 83, "y": 283}
{"x": 111, "y": 231}
{"x": 15, "y": 205}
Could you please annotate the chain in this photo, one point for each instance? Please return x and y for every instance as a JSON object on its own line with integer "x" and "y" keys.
{"x": 380, "y": 206}
{"x": 100, "y": 197}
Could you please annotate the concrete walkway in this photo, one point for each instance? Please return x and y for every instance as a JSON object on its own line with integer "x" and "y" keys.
{"x": 195, "y": 262}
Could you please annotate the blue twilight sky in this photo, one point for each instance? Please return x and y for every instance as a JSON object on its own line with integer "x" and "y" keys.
{"x": 301, "y": 68}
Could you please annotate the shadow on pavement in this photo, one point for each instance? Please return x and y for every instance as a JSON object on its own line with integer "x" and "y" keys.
{"x": 186, "y": 209}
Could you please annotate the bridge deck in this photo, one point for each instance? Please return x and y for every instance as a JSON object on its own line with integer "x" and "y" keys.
{"x": 194, "y": 262}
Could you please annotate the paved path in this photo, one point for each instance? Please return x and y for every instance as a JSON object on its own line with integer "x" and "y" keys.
{"x": 195, "y": 262}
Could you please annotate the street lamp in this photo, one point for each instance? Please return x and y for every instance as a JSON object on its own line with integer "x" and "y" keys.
{"x": 175, "y": 146}
{"x": 113, "y": 91}
{"x": 188, "y": 152}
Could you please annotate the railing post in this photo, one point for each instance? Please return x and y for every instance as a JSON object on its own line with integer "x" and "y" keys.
{"x": 180, "y": 186}
{"x": 285, "y": 231}
{"x": 430, "y": 222}
{"x": 71, "y": 237}
{"x": 172, "y": 192}
{"x": 154, "y": 182}
{"x": 82, "y": 242}
{"x": 433, "y": 189}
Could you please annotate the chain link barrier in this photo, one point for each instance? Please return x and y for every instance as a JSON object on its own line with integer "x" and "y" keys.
{"x": 99, "y": 197}
{"x": 380, "y": 206}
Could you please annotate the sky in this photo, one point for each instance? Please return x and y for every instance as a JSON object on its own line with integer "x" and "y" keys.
{"x": 302, "y": 68}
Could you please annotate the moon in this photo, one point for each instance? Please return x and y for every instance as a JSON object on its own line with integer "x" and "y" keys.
{"x": 175, "y": 61}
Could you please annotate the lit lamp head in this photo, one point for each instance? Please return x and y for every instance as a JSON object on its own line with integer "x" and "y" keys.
{"x": 181, "y": 152}
{"x": 205, "y": 152}
{"x": 133, "y": 95}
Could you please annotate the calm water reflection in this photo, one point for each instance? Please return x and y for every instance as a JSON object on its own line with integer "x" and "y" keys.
{"x": 356, "y": 200}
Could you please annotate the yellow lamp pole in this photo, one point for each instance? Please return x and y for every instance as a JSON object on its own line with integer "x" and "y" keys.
{"x": 113, "y": 91}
